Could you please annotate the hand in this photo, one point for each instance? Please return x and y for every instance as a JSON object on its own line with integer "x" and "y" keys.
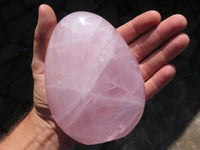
{"x": 144, "y": 34}
{"x": 154, "y": 44}
{"x": 46, "y": 23}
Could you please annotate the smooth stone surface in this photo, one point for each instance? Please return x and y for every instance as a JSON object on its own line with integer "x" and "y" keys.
{"x": 94, "y": 85}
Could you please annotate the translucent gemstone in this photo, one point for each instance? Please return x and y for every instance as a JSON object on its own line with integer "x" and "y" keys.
{"x": 94, "y": 85}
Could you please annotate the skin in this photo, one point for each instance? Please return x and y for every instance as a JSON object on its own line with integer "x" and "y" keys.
{"x": 154, "y": 44}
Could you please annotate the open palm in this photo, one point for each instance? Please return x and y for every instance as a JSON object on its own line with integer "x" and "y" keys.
{"x": 153, "y": 43}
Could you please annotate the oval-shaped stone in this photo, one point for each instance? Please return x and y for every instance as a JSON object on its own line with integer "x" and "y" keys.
{"x": 94, "y": 85}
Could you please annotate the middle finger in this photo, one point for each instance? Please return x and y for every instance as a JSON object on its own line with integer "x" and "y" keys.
{"x": 150, "y": 41}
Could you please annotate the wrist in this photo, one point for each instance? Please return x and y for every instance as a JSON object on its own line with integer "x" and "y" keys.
{"x": 36, "y": 133}
{"x": 45, "y": 133}
{"x": 52, "y": 132}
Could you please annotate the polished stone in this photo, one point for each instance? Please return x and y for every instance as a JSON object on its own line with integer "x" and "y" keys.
{"x": 94, "y": 85}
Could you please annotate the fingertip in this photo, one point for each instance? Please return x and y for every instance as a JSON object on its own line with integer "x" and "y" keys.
{"x": 46, "y": 21}
{"x": 187, "y": 39}
{"x": 168, "y": 72}
{"x": 155, "y": 14}
{"x": 46, "y": 12}
{"x": 43, "y": 7}
{"x": 180, "y": 19}
{"x": 159, "y": 80}
{"x": 41, "y": 10}
{"x": 181, "y": 42}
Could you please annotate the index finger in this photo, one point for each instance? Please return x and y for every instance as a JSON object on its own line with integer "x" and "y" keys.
{"x": 139, "y": 25}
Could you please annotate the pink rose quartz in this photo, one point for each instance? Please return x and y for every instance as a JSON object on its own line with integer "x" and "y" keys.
{"x": 94, "y": 85}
